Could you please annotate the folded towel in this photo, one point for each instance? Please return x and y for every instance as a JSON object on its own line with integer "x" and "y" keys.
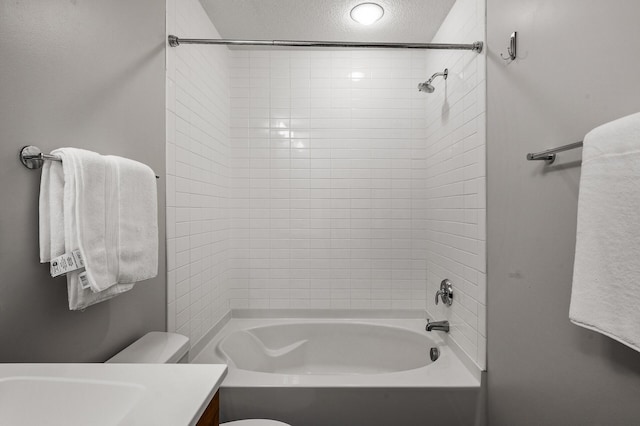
{"x": 58, "y": 227}
{"x": 108, "y": 212}
{"x": 605, "y": 296}
{"x": 133, "y": 218}
{"x": 50, "y": 212}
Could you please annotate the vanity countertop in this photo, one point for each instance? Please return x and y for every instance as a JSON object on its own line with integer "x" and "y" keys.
{"x": 107, "y": 394}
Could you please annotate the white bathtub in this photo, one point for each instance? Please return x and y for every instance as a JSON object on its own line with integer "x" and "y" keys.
{"x": 340, "y": 372}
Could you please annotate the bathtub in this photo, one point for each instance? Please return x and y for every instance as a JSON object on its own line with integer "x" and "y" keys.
{"x": 311, "y": 372}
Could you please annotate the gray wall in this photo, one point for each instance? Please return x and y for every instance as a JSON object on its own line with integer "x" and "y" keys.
{"x": 89, "y": 74}
{"x": 577, "y": 68}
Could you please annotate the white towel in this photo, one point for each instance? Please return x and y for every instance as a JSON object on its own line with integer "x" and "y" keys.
{"x": 605, "y": 296}
{"x": 108, "y": 211}
{"x": 134, "y": 217}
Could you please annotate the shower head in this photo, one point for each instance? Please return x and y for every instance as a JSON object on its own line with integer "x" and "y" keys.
{"x": 427, "y": 87}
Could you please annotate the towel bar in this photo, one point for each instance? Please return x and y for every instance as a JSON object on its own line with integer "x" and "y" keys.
{"x": 32, "y": 157}
{"x": 550, "y": 154}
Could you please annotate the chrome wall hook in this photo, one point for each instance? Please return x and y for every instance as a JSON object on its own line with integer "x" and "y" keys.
{"x": 512, "y": 48}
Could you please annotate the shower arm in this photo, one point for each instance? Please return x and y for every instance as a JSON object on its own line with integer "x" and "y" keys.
{"x": 444, "y": 73}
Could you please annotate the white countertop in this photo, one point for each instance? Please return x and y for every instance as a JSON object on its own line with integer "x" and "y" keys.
{"x": 107, "y": 394}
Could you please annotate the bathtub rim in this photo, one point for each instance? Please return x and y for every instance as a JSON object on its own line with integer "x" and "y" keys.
{"x": 198, "y": 346}
{"x": 253, "y": 327}
{"x": 463, "y": 356}
{"x": 448, "y": 372}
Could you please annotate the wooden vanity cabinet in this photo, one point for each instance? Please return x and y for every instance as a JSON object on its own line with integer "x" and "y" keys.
{"x": 211, "y": 415}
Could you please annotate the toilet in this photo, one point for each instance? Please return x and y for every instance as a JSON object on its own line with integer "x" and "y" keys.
{"x": 155, "y": 347}
{"x": 159, "y": 347}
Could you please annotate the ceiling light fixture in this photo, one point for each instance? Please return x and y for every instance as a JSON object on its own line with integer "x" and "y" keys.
{"x": 367, "y": 13}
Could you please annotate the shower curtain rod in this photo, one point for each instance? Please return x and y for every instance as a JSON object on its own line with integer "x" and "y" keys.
{"x": 476, "y": 46}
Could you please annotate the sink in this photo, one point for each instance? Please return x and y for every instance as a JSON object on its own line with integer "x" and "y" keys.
{"x": 30, "y": 400}
{"x": 106, "y": 394}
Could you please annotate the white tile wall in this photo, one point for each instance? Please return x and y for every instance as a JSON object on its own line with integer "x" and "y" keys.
{"x": 324, "y": 179}
{"x": 198, "y": 214}
{"x": 328, "y": 154}
{"x": 455, "y": 180}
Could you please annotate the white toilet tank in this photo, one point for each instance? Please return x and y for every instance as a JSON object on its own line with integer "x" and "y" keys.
{"x": 156, "y": 347}
{"x": 169, "y": 348}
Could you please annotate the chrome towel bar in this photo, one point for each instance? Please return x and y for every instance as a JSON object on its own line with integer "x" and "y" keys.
{"x": 32, "y": 157}
{"x": 550, "y": 154}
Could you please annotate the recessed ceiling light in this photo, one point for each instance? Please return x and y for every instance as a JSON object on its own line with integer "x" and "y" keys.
{"x": 367, "y": 13}
{"x": 356, "y": 75}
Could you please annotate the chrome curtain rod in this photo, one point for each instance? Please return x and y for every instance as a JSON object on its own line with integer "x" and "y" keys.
{"x": 550, "y": 154}
{"x": 476, "y": 46}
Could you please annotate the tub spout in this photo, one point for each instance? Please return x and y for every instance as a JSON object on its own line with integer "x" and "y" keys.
{"x": 438, "y": 325}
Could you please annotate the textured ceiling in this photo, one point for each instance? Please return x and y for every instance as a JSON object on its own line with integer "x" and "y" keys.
{"x": 410, "y": 21}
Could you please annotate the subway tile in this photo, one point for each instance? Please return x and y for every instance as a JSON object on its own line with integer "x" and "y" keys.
{"x": 315, "y": 187}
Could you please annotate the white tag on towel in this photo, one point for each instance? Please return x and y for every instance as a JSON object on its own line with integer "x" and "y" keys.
{"x": 66, "y": 263}
{"x": 84, "y": 280}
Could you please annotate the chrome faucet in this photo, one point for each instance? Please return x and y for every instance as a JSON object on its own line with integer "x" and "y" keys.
{"x": 438, "y": 325}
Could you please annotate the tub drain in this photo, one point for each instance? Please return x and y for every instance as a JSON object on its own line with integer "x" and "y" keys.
{"x": 434, "y": 353}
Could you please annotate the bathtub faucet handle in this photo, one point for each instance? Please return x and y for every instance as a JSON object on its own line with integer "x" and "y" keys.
{"x": 445, "y": 292}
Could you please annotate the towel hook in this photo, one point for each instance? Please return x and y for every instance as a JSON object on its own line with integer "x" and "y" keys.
{"x": 512, "y": 48}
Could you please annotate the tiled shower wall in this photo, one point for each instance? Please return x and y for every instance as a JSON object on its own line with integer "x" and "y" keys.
{"x": 456, "y": 184}
{"x": 328, "y": 155}
{"x": 198, "y": 214}
{"x": 323, "y": 179}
